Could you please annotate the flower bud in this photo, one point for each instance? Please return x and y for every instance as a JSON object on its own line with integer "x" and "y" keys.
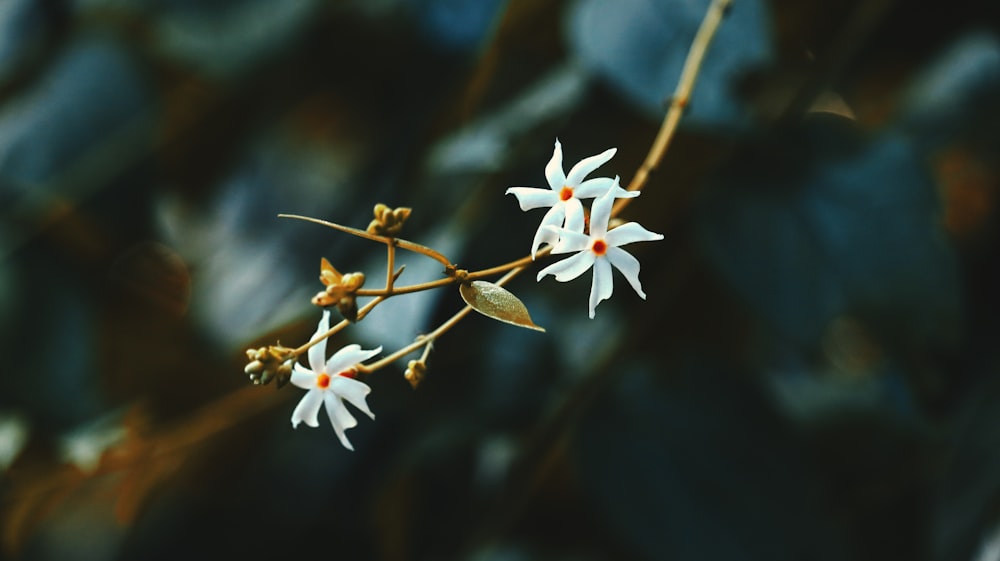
{"x": 388, "y": 222}
{"x": 322, "y": 299}
{"x": 285, "y": 373}
{"x": 338, "y": 288}
{"x": 415, "y": 371}
{"x": 254, "y": 370}
{"x": 348, "y": 307}
{"x": 352, "y": 282}
{"x": 265, "y": 362}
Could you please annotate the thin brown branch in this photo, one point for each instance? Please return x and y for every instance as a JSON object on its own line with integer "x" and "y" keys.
{"x": 401, "y": 243}
{"x": 680, "y": 99}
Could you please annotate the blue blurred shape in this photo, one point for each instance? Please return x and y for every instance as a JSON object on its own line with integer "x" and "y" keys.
{"x": 639, "y": 48}
{"x": 228, "y": 38}
{"x": 822, "y": 222}
{"x": 457, "y": 25}
{"x": 955, "y": 94}
{"x": 21, "y": 31}
{"x": 89, "y": 99}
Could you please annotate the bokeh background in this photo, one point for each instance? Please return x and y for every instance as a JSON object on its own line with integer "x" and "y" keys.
{"x": 813, "y": 376}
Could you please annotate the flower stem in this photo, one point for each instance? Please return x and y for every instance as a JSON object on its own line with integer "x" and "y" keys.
{"x": 344, "y": 323}
{"x": 475, "y": 275}
{"x": 432, "y": 336}
{"x": 518, "y": 263}
{"x": 680, "y": 99}
{"x": 390, "y": 250}
{"x": 403, "y": 244}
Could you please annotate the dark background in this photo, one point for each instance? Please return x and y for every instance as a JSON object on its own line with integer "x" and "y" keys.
{"x": 814, "y": 374}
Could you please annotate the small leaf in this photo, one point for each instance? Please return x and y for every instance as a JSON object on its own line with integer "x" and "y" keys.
{"x": 498, "y": 303}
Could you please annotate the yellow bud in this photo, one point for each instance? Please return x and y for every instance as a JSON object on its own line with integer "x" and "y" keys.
{"x": 353, "y": 281}
{"x": 387, "y": 221}
{"x": 415, "y": 371}
{"x": 401, "y": 214}
{"x": 345, "y": 285}
{"x": 265, "y": 361}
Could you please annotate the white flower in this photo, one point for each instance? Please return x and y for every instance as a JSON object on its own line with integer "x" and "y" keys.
{"x": 600, "y": 250}
{"x": 330, "y": 383}
{"x": 564, "y": 194}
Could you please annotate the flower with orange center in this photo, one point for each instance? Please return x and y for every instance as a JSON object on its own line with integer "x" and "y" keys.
{"x": 329, "y": 383}
{"x": 564, "y": 194}
{"x": 601, "y": 250}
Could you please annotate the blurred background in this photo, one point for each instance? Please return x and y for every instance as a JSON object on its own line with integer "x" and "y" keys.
{"x": 814, "y": 374}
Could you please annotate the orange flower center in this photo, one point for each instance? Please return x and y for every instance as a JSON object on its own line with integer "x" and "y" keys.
{"x": 566, "y": 193}
{"x": 323, "y": 380}
{"x": 599, "y": 247}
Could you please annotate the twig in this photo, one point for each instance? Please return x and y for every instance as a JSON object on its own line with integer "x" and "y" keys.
{"x": 680, "y": 99}
{"x": 401, "y": 243}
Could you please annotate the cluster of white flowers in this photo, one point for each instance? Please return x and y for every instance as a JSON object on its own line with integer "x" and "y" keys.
{"x": 562, "y": 226}
{"x": 331, "y": 381}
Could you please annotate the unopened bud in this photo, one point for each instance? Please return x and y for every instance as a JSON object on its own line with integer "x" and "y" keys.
{"x": 399, "y": 215}
{"x": 352, "y": 282}
{"x": 322, "y": 299}
{"x": 284, "y": 373}
{"x": 415, "y": 371}
{"x": 265, "y": 362}
{"x": 348, "y": 307}
{"x": 388, "y": 222}
{"x": 344, "y": 287}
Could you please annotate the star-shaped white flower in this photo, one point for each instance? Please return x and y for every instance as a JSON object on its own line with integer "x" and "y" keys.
{"x": 329, "y": 382}
{"x": 601, "y": 250}
{"x": 564, "y": 194}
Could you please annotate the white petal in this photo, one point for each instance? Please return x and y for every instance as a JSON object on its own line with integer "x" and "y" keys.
{"x": 531, "y": 198}
{"x": 554, "y": 170}
{"x": 570, "y": 242}
{"x": 308, "y": 408}
{"x": 317, "y": 352}
{"x": 583, "y": 168}
{"x": 347, "y": 357}
{"x": 544, "y": 235}
{"x": 554, "y": 217}
{"x": 602, "y": 286}
{"x": 630, "y": 233}
{"x": 628, "y": 265}
{"x": 569, "y": 268}
{"x": 303, "y": 377}
{"x": 574, "y": 215}
{"x": 340, "y": 418}
{"x": 354, "y": 391}
{"x": 600, "y": 212}
{"x": 595, "y": 188}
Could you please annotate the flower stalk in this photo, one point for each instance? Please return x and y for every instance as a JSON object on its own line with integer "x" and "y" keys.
{"x": 680, "y": 100}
